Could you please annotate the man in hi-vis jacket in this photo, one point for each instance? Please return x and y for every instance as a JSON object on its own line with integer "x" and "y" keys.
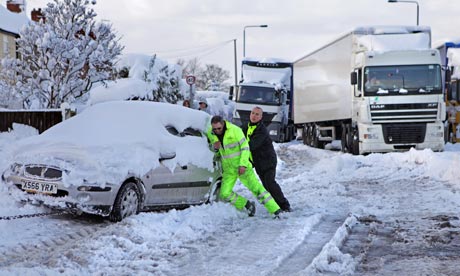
{"x": 230, "y": 142}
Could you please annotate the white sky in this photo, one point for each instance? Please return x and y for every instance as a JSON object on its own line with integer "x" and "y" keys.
{"x": 295, "y": 27}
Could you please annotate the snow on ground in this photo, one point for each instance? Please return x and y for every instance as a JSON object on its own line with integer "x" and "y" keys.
{"x": 322, "y": 185}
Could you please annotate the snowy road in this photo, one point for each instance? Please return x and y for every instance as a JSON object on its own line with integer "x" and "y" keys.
{"x": 381, "y": 214}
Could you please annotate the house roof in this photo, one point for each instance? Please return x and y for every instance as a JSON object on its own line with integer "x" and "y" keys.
{"x": 12, "y": 22}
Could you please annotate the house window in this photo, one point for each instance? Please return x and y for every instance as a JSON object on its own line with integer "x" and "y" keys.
{"x": 6, "y": 48}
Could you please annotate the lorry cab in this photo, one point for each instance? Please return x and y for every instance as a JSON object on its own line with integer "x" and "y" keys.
{"x": 266, "y": 83}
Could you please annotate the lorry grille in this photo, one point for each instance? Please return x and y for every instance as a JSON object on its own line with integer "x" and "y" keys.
{"x": 393, "y": 113}
{"x": 404, "y": 133}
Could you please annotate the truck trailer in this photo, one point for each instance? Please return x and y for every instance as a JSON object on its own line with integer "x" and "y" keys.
{"x": 266, "y": 83}
{"x": 376, "y": 88}
{"x": 450, "y": 60}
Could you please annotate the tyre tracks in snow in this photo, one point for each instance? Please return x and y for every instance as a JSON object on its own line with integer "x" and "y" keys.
{"x": 45, "y": 251}
{"x": 263, "y": 247}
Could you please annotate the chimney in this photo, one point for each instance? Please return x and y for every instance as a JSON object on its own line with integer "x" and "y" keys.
{"x": 14, "y": 6}
{"x": 37, "y": 15}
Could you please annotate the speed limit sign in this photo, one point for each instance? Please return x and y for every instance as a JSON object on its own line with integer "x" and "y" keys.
{"x": 190, "y": 80}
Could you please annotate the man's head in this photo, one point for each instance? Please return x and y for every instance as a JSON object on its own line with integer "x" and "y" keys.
{"x": 256, "y": 115}
{"x": 218, "y": 125}
{"x": 203, "y": 105}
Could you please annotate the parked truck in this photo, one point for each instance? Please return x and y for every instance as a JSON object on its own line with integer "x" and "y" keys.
{"x": 377, "y": 89}
{"x": 266, "y": 83}
{"x": 450, "y": 60}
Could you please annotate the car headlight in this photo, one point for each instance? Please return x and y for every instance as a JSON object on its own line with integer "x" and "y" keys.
{"x": 16, "y": 168}
{"x": 92, "y": 187}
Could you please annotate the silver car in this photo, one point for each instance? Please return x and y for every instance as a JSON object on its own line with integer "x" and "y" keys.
{"x": 105, "y": 162}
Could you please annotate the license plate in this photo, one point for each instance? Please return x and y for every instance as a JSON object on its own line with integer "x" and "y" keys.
{"x": 39, "y": 187}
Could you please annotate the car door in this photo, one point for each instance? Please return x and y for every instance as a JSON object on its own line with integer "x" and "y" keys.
{"x": 182, "y": 186}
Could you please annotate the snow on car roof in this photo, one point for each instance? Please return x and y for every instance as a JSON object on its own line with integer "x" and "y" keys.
{"x": 113, "y": 139}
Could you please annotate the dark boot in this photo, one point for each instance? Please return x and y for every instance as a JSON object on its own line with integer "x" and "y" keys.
{"x": 276, "y": 215}
{"x": 250, "y": 208}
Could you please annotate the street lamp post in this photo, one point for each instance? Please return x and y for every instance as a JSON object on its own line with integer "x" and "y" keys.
{"x": 244, "y": 35}
{"x": 404, "y": 1}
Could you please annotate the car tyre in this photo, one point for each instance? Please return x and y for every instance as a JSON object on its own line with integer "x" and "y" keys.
{"x": 215, "y": 194}
{"x": 127, "y": 202}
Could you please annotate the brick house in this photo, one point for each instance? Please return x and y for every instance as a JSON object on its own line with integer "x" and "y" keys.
{"x": 12, "y": 18}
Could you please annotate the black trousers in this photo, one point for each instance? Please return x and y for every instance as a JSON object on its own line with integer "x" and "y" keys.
{"x": 268, "y": 180}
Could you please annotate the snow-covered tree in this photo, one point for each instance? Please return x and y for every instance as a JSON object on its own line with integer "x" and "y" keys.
{"x": 62, "y": 56}
{"x": 211, "y": 76}
{"x": 192, "y": 67}
{"x": 163, "y": 82}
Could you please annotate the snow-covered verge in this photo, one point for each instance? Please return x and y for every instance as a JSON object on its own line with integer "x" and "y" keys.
{"x": 218, "y": 240}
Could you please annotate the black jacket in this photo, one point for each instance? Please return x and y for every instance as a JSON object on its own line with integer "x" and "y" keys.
{"x": 261, "y": 146}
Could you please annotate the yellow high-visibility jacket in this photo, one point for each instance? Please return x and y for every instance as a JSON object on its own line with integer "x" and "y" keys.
{"x": 235, "y": 148}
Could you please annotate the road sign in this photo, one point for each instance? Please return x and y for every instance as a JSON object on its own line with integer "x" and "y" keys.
{"x": 190, "y": 80}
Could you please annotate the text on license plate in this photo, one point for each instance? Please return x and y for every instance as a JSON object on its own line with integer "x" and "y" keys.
{"x": 32, "y": 186}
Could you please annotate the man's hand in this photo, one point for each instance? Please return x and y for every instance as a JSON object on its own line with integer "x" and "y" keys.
{"x": 241, "y": 170}
{"x": 217, "y": 145}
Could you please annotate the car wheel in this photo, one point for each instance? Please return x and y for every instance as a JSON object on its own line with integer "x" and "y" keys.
{"x": 127, "y": 202}
{"x": 214, "y": 197}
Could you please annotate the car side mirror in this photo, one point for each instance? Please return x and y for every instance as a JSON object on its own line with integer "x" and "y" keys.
{"x": 167, "y": 156}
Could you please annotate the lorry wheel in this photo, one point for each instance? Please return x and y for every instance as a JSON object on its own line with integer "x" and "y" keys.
{"x": 355, "y": 142}
{"x": 316, "y": 142}
{"x": 309, "y": 136}
{"x": 347, "y": 138}
{"x": 304, "y": 135}
{"x": 314, "y": 138}
{"x": 344, "y": 140}
{"x": 287, "y": 135}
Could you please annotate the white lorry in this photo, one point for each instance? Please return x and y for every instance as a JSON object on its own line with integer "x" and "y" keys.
{"x": 450, "y": 60}
{"x": 266, "y": 83}
{"x": 377, "y": 89}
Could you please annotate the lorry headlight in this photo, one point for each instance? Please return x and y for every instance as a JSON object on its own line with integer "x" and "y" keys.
{"x": 273, "y": 132}
{"x": 370, "y": 136}
{"x": 437, "y": 134}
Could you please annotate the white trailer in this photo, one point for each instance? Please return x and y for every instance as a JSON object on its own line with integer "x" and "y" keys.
{"x": 377, "y": 89}
{"x": 450, "y": 58}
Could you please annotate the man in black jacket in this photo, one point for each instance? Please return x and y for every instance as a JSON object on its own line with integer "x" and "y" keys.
{"x": 264, "y": 156}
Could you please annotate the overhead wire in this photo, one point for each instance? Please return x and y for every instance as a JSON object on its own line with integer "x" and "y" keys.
{"x": 198, "y": 52}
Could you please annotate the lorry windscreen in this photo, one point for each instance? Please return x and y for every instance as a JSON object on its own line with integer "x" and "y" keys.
{"x": 402, "y": 80}
{"x": 258, "y": 95}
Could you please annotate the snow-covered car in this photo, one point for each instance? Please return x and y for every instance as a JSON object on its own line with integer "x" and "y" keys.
{"x": 118, "y": 158}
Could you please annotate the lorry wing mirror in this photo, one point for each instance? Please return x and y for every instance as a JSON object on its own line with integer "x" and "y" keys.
{"x": 230, "y": 93}
{"x": 448, "y": 76}
{"x": 354, "y": 78}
